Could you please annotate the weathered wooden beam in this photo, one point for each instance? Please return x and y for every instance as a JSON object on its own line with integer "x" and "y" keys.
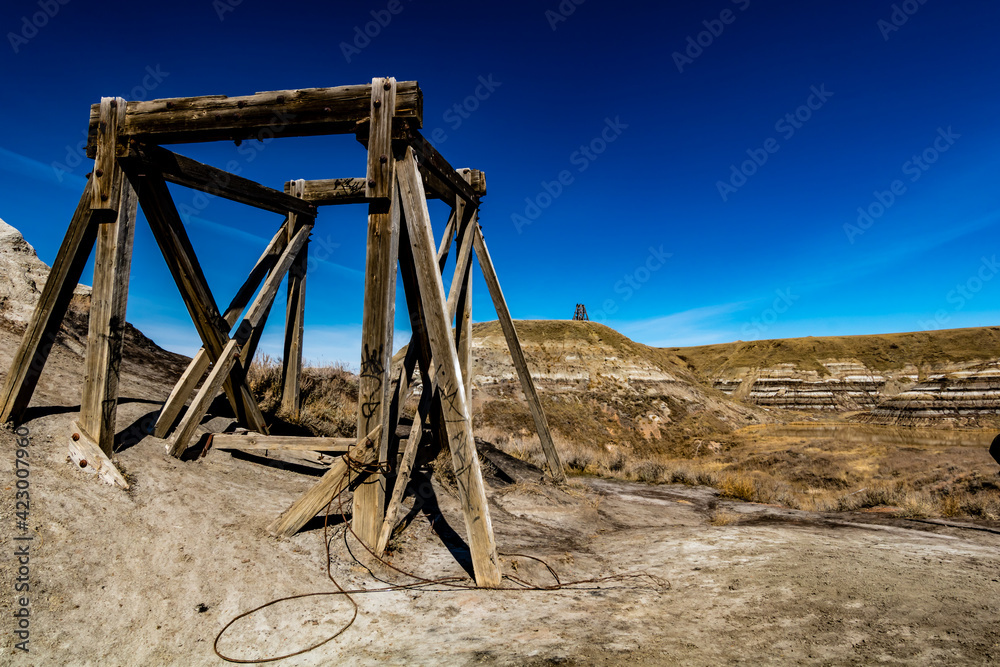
{"x": 295, "y": 313}
{"x": 256, "y": 441}
{"x": 106, "y": 329}
{"x": 168, "y": 230}
{"x": 193, "y": 174}
{"x": 335, "y": 191}
{"x": 338, "y": 478}
{"x": 431, "y": 160}
{"x": 107, "y": 173}
{"x": 462, "y": 261}
{"x": 405, "y": 468}
{"x": 88, "y": 457}
{"x": 200, "y": 363}
{"x": 325, "y": 192}
{"x": 458, "y": 416}
{"x": 203, "y": 399}
{"x": 517, "y": 355}
{"x": 463, "y": 302}
{"x": 444, "y": 248}
{"x": 40, "y": 334}
{"x": 251, "y": 323}
{"x": 379, "y": 312}
{"x": 279, "y": 113}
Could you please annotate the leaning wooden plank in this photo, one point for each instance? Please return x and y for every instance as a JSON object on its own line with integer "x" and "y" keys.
{"x": 199, "y": 406}
{"x": 517, "y": 354}
{"x": 167, "y": 228}
{"x": 457, "y": 416}
{"x": 338, "y": 478}
{"x": 444, "y": 248}
{"x": 193, "y": 174}
{"x": 253, "y": 441}
{"x": 432, "y": 160}
{"x": 379, "y": 309}
{"x": 199, "y": 364}
{"x": 262, "y": 116}
{"x": 462, "y": 261}
{"x": 88, "y": 457}
{"x": 405, "y": 469}
{"x": 255, "y": 313}
{"x": 179, "y": 394}
{"x": 106, "y": 333}
{"x": 295, "y": 311}
{"x": 40, "y": 335}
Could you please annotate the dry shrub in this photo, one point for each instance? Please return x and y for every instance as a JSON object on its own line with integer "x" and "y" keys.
{"x": 329, "y": 396}
{"x": 723, "y": 517}
{"x": 741, "y": 486}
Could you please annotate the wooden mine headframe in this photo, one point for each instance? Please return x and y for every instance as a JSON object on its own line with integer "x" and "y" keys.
{"x": 132, "y": 169}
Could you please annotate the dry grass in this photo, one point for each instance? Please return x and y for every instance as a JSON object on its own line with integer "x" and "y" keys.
{"x": 723, "y": 517}
{"x": 599, "y": 434}
{"x": 329, "y": 396}
{"x": 811, "y": 474}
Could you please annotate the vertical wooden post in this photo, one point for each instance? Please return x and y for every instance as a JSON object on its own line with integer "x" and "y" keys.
{"x": 457, "y": 415}
{"x": 294, "y": 316}
{"x": 380, "y": 300}
{"x": 112, "y": 266}
{"x": 40, "y": 335}
{"x": 517, "y": 355}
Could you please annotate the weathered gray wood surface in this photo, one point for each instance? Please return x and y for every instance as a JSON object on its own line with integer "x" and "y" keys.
{"x": 285, "y": 113}
{"x": 457, "y": 415}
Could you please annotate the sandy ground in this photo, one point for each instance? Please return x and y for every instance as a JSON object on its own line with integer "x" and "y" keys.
{"x": 150, "y": 576}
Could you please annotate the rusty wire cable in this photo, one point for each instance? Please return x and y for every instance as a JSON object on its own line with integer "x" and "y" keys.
{"x": 449, "y": 584}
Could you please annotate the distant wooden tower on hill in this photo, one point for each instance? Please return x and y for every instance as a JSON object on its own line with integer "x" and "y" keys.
{"x": 581, "y": 313}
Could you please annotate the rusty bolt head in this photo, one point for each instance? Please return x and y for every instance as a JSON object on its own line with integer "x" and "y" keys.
{"x": 386, "y": 86}
{"x": 83, "y": 463}
{"x": 104, "y": 197}
{"x": 377, "y": 103}
{"x": 170, "y": 105}
{"x": 371, "y": 183}
{"x": 383, "y": 159}
{"x": 241, "y": 104}
{"x": 99, "y": 173}
{"x": 76, "y": 436}
{"x": 281, "y": 99}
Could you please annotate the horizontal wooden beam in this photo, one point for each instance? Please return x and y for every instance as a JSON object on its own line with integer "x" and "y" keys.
{"x": 193, "y": 174}
{"x": 256, "y": 441}
{"x": 277, "y": 113}
{"x": 335, "y": 191}
{"x": 329, "y": 191}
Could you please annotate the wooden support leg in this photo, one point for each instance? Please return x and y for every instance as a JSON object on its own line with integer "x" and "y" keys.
{"x": 208, "y": 392}
{"x": 40, "y": 336}
{"x": 230, "y": 356}
{"x": 380, "y": 299}
{"x": 458, "y": 418}
{"x": 200, "y": 363}
{"x": 169, "y": 232}
{"x": 339, "y": 477}
{"x": 517, "y": 354}
{"x": 294, "y": 320}
{"x": 112, "y": 265}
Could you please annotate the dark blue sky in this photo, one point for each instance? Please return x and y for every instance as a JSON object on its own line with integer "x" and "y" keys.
{"x": 691, "y": 171}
